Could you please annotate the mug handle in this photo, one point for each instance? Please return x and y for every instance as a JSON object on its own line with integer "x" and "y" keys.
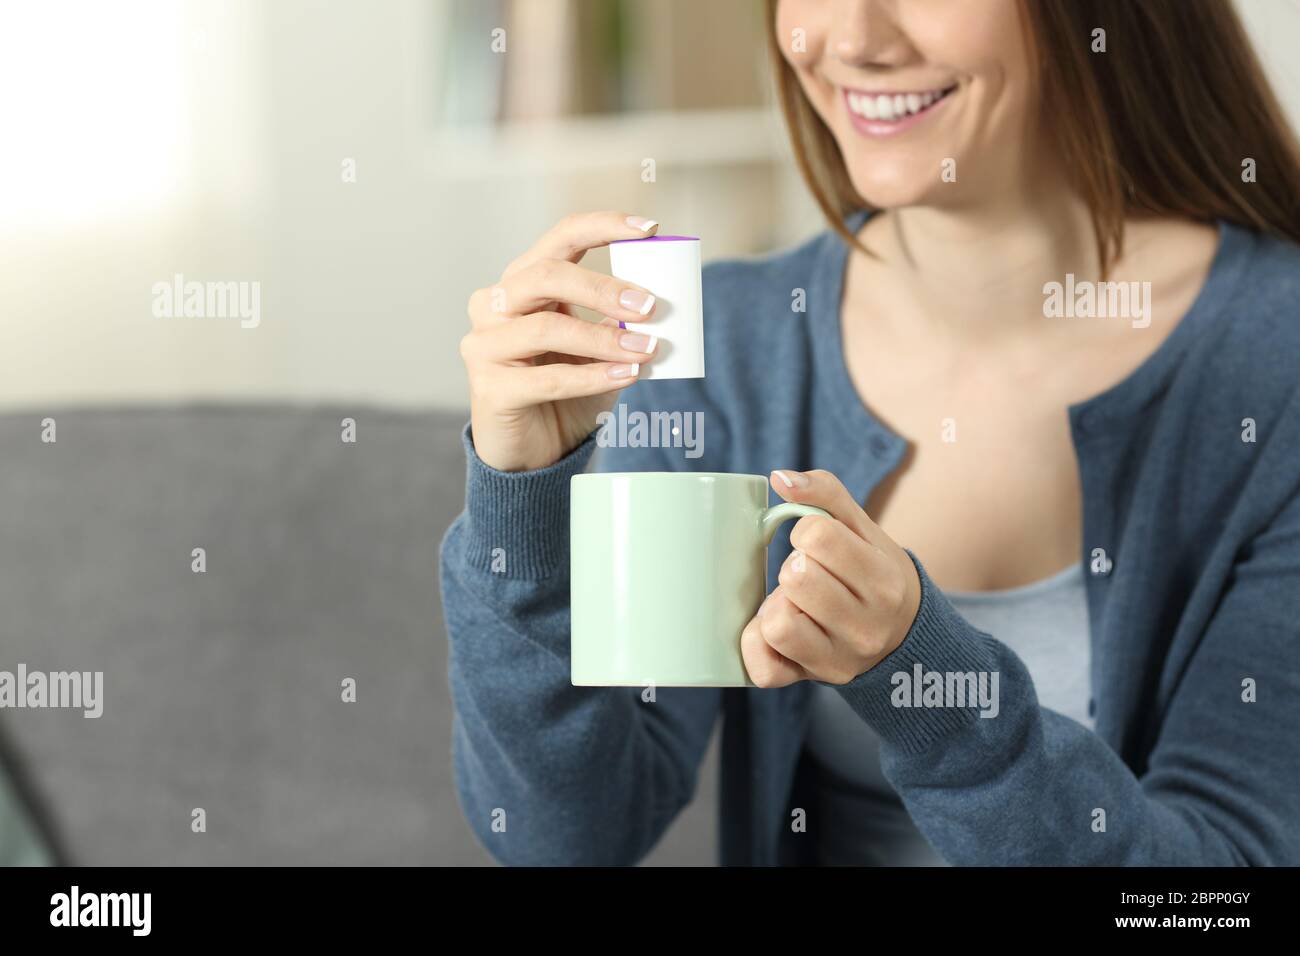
{"x": 772, "y": 517}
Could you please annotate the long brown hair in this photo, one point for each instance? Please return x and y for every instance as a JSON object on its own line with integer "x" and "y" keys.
{"x": 1159, "y": 125}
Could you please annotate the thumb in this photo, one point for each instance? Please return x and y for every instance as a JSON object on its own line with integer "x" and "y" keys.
{"x": 823, "y": 489}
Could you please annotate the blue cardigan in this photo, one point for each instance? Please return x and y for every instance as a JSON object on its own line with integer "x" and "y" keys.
{"x": 1194, "y": 608}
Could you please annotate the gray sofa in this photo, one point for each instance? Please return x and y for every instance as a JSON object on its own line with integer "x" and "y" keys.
{"x": 223, "y": 689}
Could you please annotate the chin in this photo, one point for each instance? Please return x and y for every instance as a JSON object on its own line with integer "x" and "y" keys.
{"x": 897, "y": 159}
{"x": 885, "y": 188}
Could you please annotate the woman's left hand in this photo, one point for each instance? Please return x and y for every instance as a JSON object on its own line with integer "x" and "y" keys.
{"x": 846, "y": 596}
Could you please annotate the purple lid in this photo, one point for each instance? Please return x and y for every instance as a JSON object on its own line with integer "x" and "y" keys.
{"x": 661, "y": 239}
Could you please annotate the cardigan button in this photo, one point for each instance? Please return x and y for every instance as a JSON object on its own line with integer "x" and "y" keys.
{"x": 879, "y": 446}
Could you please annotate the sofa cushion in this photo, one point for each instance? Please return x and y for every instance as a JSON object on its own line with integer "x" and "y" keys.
{"x": 223, "y": 690}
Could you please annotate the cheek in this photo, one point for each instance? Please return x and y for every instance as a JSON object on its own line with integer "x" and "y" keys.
{"x": 801, "y": 32}
{"x": 984, "y": 39}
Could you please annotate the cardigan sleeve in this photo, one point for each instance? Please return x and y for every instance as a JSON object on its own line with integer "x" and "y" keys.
{"x": 548, "y": 773}
{"x": 1221, "y": 785}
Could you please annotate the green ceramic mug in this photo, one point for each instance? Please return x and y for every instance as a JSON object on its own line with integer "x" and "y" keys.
{"x": 667, "y": 568}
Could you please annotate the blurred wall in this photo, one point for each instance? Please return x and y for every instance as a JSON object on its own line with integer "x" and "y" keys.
{"x": 363, "y": 284}
{"x": 211, "y": 139}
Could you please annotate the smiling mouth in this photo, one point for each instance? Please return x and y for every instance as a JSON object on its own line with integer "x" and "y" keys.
{"x": 887, "y": 109}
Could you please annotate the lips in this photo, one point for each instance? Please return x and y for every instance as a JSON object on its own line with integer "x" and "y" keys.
{"x": 878, "y": 113}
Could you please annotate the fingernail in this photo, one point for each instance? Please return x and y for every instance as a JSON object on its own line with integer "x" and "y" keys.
{"x": 624, "y": 371}
{"x": 640, "y": 222}
{"x": 792, "y": 479}
{"x": 636, "y": 301}
{"x": 638, "y": 343}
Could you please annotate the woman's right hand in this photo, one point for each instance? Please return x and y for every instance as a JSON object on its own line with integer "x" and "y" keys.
{"x": 538, "y": 374}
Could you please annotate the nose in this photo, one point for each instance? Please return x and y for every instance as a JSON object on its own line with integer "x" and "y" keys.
{"x": 862, "y": 32}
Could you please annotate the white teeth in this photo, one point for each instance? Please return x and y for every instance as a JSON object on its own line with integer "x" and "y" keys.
{"x": 890, "y": 108}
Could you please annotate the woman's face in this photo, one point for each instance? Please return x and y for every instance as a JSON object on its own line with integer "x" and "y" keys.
{"x": 929, "y": 100}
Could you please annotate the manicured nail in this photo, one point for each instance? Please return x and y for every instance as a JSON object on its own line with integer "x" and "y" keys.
{"x": 624, "y": 371}
{"x": 640, "y": 222}
{"x": 792, "y": 479}
{"x": 638, "y": 343}
{"x": 636, "y": 301}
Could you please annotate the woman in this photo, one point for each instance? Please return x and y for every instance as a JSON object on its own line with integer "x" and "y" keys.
{"x": 1102, "y": 510}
